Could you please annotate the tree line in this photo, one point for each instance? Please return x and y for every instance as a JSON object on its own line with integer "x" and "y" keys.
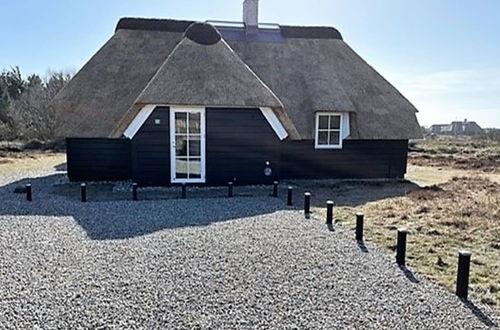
{"x": 26, "y": 112}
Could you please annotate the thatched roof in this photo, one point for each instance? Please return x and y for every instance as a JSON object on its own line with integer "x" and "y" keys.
{"x": 211, "y": 74}
{"x": 295, "y": 70}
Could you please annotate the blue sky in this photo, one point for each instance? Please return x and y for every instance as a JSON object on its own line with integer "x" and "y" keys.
{"x": 443, "y": 55}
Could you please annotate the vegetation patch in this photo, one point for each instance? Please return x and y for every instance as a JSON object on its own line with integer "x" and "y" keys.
{"x": 461, "y": 213}
{"x": 464, "y": 152}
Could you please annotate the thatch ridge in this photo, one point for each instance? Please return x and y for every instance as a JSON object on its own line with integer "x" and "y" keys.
{"x": 152, "y": 24}
{"x": 170, "y": 25}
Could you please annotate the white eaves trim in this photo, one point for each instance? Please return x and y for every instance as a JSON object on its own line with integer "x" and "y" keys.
{"x": 275, "y": 123}
{"x": 139, "y": 120}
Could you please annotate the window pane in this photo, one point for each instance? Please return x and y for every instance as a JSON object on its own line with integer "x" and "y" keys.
{"x": 194, "y": 145}
{"x": 194, "y": 122}
{"x": 194, "y": 168}
{"x": 181, "y": 145}
{"x": 334, "y": 138}
{"x": 181, "y": 168}
{"x": 334, "y": 122}
{"x": 322, "y": 138}
{"x": 180, "y": 122}
{"x": 323, "y": 122}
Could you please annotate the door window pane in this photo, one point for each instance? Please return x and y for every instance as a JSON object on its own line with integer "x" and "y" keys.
{"x": 194, "y": 122}
{"x": 181, "y": 145}
{"x": 181, "y": 122}
{"x": 181, "y": 168}
{"x": 194, "y": 145}
{"x": 334, "y": 122}
{"x": 323, "y": 122}
{"x": 194, "y": 168}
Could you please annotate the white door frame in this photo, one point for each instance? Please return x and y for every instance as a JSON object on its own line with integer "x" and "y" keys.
{"x": 188, "y": 109}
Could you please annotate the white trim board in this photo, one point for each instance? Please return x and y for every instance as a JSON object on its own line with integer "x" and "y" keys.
{"x": 275, "y": 123}
{"x": 139, "y": 120}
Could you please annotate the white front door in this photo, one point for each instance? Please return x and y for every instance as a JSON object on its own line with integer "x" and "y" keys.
{"x": 187, "y": 139}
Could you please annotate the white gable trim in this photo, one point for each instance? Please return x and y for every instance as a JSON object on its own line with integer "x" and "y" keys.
{"x": 275, "y": 123}
{"x": 139, "y": 120}
{"x": 148, "y": 109}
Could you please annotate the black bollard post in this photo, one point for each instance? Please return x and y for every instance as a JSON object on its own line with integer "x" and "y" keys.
{"x": 329, "y": 212}
{"x": 229, "y": 189}
{"x": 83, "y": 192}
{"x": 463, "y": 273}
{"x": 184, "y": 192}
{"x": 290, "y": 196}
{"x": 134, "y": 191}
{"x": 359, "y": 226}
{"x": 275, "y": 189}
{"x": 29, "y": 196}
{"x": 307, "y": 205}
{"x": 401, "y": 247}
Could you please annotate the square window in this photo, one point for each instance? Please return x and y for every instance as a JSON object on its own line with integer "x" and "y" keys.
{"x": 329, "y": 130}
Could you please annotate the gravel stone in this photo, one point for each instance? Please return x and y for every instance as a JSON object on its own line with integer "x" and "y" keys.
{"x": 223, "y": 263}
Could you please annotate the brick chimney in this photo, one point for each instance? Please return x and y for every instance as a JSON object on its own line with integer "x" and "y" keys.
{"x": 251, "y": 15}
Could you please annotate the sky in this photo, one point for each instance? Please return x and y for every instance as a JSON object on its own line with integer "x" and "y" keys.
{"x": 443, "y": 55}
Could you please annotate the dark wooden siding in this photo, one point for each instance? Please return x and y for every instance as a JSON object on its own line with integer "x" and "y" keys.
{"x": 357, "y": 159}
{"x": 239, "y": 142}
{"x": 151, "y": 150}
{"x": 93, "y": 159}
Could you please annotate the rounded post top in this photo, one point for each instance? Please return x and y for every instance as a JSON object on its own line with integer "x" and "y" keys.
{"x": 134, "y": 184}
{"x": 465, "y": 253}
{"x": 230, "y": 183}
{"x": 28, "y": 185}
{"x": 402, "y": 230}
{"x": 83, "y": 184}
{"x": 329, "y": 202}
{"x": 290, "y": 187}
{"x": 360, "y": 214}
{"x": 275, "y": 182}
{"x": 307, "y": 194}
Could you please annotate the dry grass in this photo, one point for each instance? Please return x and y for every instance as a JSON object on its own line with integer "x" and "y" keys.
{"x": 441, "y": 219}
{"x": 457, "y": 152}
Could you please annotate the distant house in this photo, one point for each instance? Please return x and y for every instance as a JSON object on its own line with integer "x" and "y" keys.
{"x": 166, "y": 102}
{"x": 458, "y": 128}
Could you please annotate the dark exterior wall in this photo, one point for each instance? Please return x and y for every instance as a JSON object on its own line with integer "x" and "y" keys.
{"x": 357, "y": 159}
{"x": 151, "y": 150}
{"x": 96, "y": 159}
{"x": 239, "y": 142}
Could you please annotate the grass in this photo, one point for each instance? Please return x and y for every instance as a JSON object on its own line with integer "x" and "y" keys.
{"x": 441, "y": 219}
{"x": 461, "y": 152}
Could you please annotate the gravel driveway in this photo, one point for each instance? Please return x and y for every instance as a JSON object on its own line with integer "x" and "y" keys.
{"x": 201, "y": 263}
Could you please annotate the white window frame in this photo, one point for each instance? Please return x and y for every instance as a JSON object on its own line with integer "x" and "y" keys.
{"x": 191, "y": 109}
{"x": 341, "y": 129}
